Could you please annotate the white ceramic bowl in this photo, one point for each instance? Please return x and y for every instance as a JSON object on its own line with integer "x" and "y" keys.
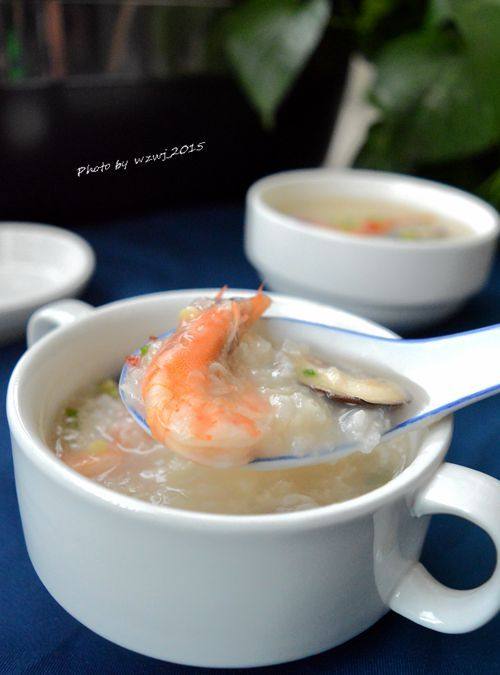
{"x": 219, "y": 590}
{"x": 404, "y": 285}
{"x": 38, "y": 264}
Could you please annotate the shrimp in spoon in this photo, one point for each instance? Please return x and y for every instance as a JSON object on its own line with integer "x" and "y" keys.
{"x": 194, "y": 403}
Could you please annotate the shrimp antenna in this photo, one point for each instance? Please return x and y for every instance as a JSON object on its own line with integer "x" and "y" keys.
{"x": 221, "y": 292}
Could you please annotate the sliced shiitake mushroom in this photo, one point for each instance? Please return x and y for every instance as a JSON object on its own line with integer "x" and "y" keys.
{"x": 342, "y": 386}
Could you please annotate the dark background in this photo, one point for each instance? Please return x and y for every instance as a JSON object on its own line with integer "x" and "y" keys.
{"x": 163, "y": 95}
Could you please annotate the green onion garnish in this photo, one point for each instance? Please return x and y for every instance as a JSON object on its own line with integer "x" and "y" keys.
{"x": 109, "y": 387}
{"x": 72, "y": 418}
{"x": 309, "y": 372}
{"x": 144, "y": 350}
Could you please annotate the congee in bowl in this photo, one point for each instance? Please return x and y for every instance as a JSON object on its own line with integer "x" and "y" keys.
{"x": 219, "y": 392}
{"x": 399, "y": 250}
{"x": 374, "y": 218}
{"x": 149, "y": 574}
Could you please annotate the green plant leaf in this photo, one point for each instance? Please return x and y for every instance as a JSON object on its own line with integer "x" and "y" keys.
{"x": 268, "y": 42}
{"x": 479, "y": 24}
{"x": 384, "y": 149}
{"x": 438, "y": 12}
{"x": 432, "y": 106}
{"x": 490, "y": 189}
{"x": 371, "y": 12}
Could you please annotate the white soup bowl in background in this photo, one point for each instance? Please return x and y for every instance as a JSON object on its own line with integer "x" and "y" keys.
{"x": 401, "y": 284}
{"x": 225, "y": 590}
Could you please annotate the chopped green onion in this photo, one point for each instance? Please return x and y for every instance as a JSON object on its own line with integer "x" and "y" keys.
{"x": 109, "y": 387}
{"x": 97, "y": 447}
{"x": 309, "y": 372}
{"x": 71, "y": 418}
{"x": 144, "y": 350}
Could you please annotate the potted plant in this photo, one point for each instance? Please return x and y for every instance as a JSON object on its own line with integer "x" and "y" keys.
{"x": 436, "y": 92}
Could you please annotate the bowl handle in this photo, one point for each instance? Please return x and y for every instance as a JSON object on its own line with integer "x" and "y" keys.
{"x": 474, "y": 496}
{"x": 53, "y": 316}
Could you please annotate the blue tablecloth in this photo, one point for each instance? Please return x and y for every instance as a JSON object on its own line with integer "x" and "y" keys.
{"x": 194, "y": 248}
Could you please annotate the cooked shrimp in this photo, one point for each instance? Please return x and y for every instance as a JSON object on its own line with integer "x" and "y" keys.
{"x": 195, "y": 405}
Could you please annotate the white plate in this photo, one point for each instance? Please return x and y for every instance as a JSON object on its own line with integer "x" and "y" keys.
{"x": 38, "y": 264}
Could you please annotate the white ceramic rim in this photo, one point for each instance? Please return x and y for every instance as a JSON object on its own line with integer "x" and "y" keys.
{"x": 79, "y": 274}
{"x": 435, "y": 445}
{"x": 255, "y": 199}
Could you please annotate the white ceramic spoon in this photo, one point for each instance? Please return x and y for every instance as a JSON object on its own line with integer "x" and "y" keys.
{"x": 440, "y": 374}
